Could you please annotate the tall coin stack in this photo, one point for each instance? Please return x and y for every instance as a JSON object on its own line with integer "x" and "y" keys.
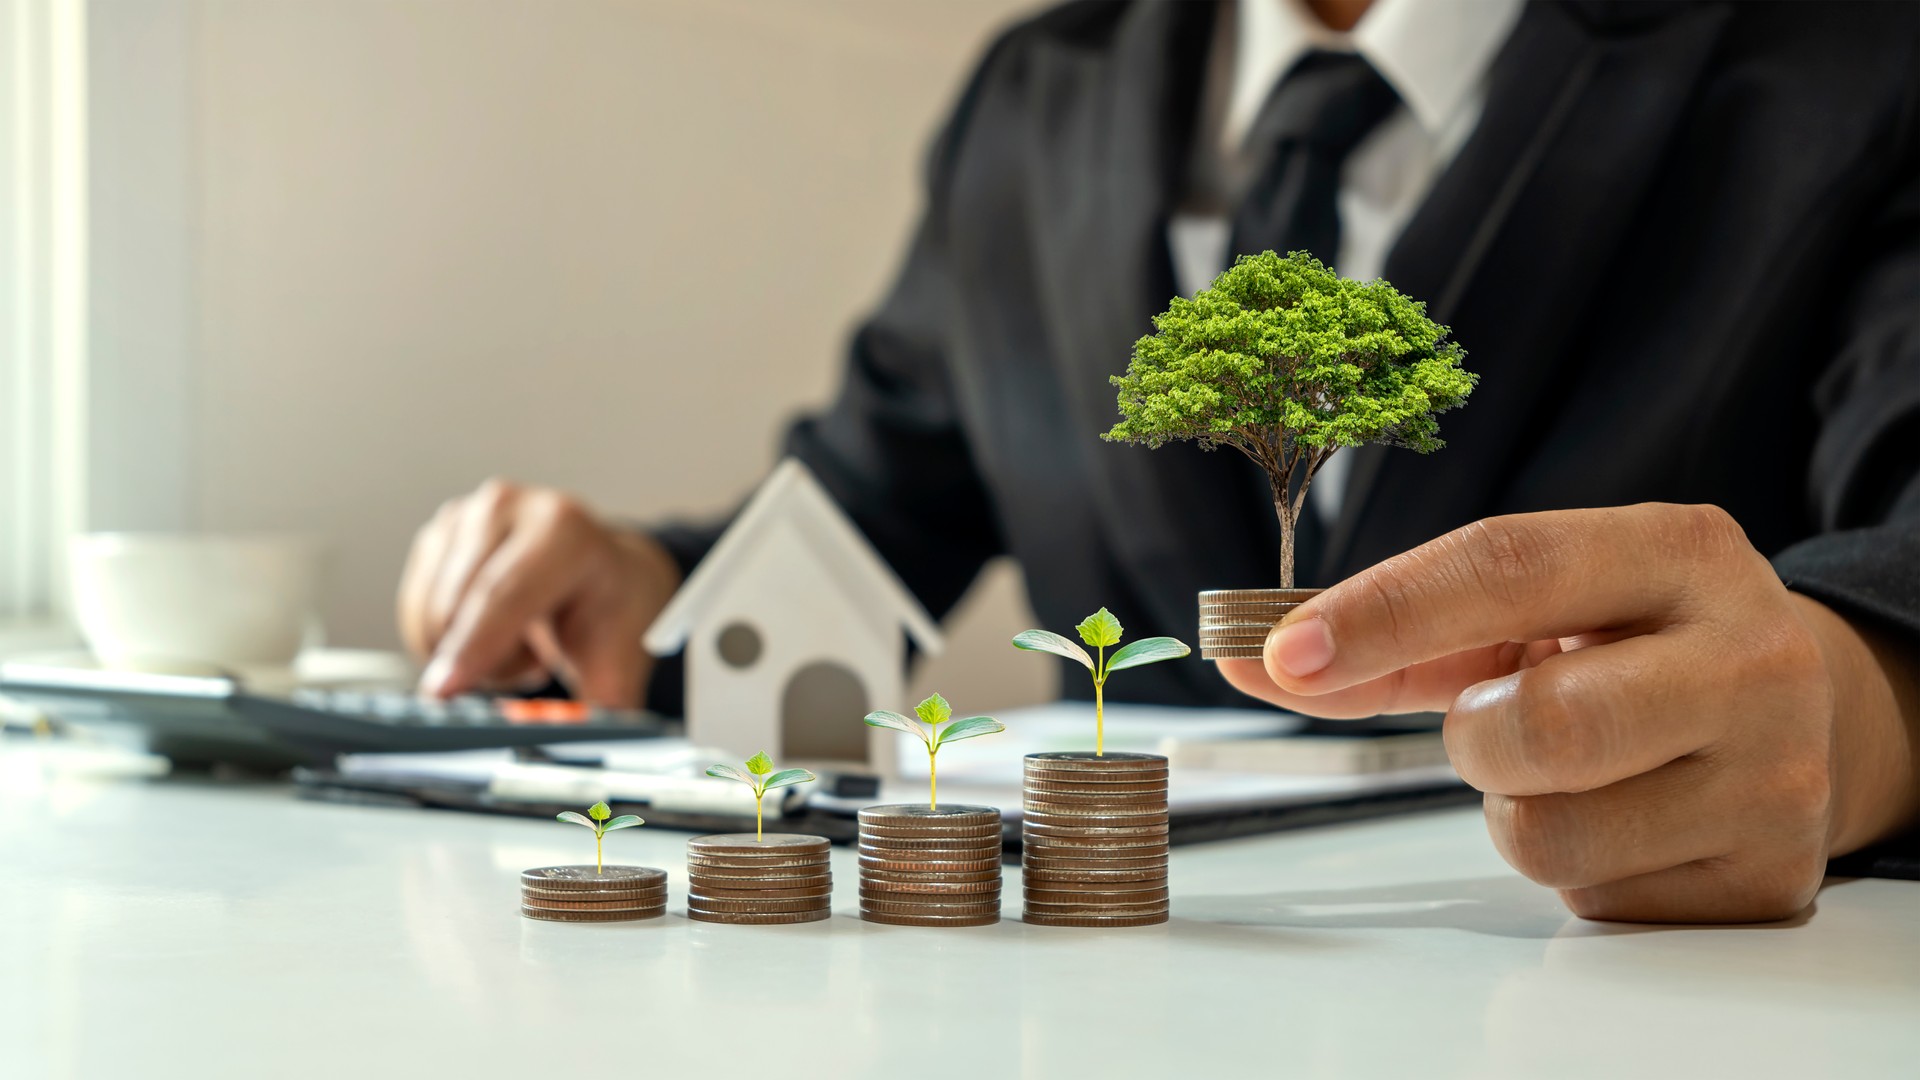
{"x": 925, "y": 867}
{"x": 1234, "y": 623}
{"x": 1094, "y": 838}
{"x": 780, "y": 878}
{"x": 584, "y": 894}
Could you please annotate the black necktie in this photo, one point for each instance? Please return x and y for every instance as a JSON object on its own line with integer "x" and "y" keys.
{"x": 1317, "y": 114}
{"x": 1315, "y": 117}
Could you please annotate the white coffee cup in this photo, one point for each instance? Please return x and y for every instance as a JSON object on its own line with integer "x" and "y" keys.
{"x": 183, "y": 601}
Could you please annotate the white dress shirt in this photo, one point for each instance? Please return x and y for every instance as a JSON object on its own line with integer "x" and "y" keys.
{"x": 1435, "y": 55}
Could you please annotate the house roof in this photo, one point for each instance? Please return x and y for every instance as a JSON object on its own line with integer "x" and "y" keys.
{"x": 793, "y": 494}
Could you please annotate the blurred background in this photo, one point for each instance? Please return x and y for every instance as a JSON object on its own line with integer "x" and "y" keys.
{"x": 317, "y": 265}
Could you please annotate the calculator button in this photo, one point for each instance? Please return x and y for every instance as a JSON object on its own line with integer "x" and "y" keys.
{"x": 544, "y": 711}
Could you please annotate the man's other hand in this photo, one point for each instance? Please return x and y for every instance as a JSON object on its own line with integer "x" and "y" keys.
{"x": 1663, "y": 731}
{"x": 511, "y": 583}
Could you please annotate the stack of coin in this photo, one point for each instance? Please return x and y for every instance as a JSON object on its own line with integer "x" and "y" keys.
{"x": 1234, "y": 623}
{"x": 925, "y": 867}
{"x": 1094, "y": 839}
{"x": 584, "y": 894}
{"x": 778, "y": 878}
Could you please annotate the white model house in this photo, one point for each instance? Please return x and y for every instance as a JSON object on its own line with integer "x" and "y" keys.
{"x": 794, "y": 629}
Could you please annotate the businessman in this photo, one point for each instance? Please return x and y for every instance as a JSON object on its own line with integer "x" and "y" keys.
{"x": 1665, "y": 579}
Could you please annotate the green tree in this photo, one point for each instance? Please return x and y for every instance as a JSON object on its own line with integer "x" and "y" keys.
{"x": 1287, "y": 362}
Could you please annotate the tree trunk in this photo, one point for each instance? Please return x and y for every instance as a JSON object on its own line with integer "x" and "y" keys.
{"x": 1283, "y": 507}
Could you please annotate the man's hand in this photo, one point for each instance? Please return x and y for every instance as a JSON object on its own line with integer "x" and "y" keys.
{"x": 1664, "y": 731}
{"x": 509, "y": 583}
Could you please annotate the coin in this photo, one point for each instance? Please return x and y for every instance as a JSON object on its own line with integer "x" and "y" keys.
{"x": 1039, "y": 919}
{"x": 550, "y": 915}
{"x": 788, "y": 844}
{"x": 545, "y": 904}
{"x": 822, "y": 889}
{"x": 915, "y": 815}
{"x": 1224, "y": 653}
{"x": 991, "y": 851}
{"x": 585, "y": 877}
{"x": 930, "y": 920}
{"x": 890, "y": 907}
{"x": 1064, "y": 848}
{"x": 1097, "y": 821}
{"x": 918, "y": 877}
{"x": 722, "y": 904}
{"x": 741, "y": 918}
{"x": 771, "y": 862}
{"x": 593, "y": 894}
{"x": 927, "y": 888}
{"x": 1119, "y": 899}
{"x": 1048, "y": 830}
{"x": 1247, "y": 610}
{"x": 1053, "y": 864}
{"x": 1070, "y": 760}
{"x": 1092, "y": 789}
{"x": 988, "y": 842}
{"x": 1093, "y": 879}
{"x": 1158, "y": 907}
{"x": 1297, "y": 596}
{"x": 942, "y": 866}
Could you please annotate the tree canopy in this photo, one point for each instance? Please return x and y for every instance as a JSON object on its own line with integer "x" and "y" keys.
{"x": 1286, "y": 361}
{"x": 1282, "y": 355}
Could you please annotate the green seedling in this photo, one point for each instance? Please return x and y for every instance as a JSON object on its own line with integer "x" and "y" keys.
{"x": 1102, "y": 631}
{"x": 935, "y": 712}
{"x": 762, "y": 779}
{"x": 599, "y": 813}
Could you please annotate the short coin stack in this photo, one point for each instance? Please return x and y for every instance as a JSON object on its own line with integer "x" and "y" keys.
{"x": 1094, "y": 839}
{"x": 1234, "y": 623}
{"x": 779, "y": 878}
{"x": 584, "y": 894}
{"x": 925, "y": 867}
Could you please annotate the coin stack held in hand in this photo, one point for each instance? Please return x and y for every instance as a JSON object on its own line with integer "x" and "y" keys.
{"x": 779, "y": 878}
{"x": 1094, "y": 839}
{"x": 921, "y": 866}
{"x": 584, "y": 894}
{"x": 1234, "y": 623}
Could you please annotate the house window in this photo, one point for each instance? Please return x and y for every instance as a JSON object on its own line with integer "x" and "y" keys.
{"x": 740, "y": 645}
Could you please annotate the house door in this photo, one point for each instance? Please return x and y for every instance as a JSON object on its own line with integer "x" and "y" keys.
{"x": 820, "y": 715}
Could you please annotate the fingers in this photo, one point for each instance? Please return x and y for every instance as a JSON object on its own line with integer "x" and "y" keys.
{"x": 1671, "y": 844}
{"x": 527, "y": 577}
{"x": 1589, "y": 718}
{"x": 480, "y": 524}
{"x": 1520, "y": 578}
{"x": 416, "y": 581}
{"x": 1427, "y": 687}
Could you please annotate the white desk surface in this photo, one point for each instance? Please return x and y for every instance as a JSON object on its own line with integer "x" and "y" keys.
{"x": 188, "y": 929}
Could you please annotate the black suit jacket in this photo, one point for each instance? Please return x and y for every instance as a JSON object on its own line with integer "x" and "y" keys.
{"x": 1682, "y": 249}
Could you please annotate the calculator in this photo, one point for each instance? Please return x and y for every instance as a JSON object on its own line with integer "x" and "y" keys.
{"x": 214, "y": 719}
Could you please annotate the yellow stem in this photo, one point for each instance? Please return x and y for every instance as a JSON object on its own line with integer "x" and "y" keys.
{"x": 758, "y": 835}
{"x": 933, "y": 781}
{"x": 1099, "y": 721}
{"x": 599, "y": 863}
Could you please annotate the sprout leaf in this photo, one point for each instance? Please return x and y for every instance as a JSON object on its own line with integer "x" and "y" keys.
{"x": 1147, "y": 651}
{"x": 728, "y": 772}
{"x": 600, "y": 811}
{"x": 760, "y": 764}
{"x": 1100, "y": 628}
{"x": 574, "y": 819}
{"x": 969, "y": 728}
{"x": 788, "y": 776}
{"x": 881, "y": 718}
{"x": 934, "y": 710}
{"x": 624, "y": 821}
{"x": 1049, "y": 642}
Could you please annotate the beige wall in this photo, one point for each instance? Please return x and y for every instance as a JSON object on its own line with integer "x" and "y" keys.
{"x": 607, "y": 246}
